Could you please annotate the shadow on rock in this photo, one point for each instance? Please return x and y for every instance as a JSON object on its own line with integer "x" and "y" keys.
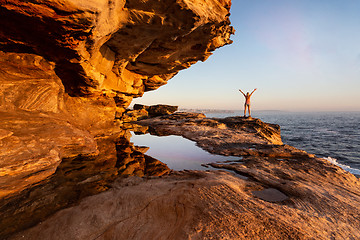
{"x": 74, "y": 179}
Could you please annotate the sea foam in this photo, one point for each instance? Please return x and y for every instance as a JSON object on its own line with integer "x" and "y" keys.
{"x": 345, "y": 167}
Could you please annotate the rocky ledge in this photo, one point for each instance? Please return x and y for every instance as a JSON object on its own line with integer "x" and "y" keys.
{"x": 271, "y": 191}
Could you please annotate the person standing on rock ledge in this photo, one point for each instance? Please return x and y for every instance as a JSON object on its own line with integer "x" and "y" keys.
{"x": 247, "y": 101}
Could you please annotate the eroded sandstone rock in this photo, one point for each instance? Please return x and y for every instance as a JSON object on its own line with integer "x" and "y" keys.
{"x": 29, "y": 83}
{"x": 234, "y": 134}
{"x": 126, "y": 47}
{"x": 140, "y": 112}
{"x": 212, "y": 205}
{"x": 268, "y": 131}
{"x": 68, "y": 66}
{"x": 44, "y": 185}
{"x": 273, "y": 191}
{"x": 161, "y": 109}
{"x": 41, "y": 124}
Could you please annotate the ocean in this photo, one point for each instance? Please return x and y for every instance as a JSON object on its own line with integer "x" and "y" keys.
{"x": 334, "y": 136}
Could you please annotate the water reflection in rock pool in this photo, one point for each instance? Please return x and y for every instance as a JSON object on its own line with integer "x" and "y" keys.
{"x": 82, "y": 176}
{"x": 72, "y": 180}
{"x": 177, "y": 152}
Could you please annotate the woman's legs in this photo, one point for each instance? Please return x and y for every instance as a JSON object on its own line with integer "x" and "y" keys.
{"x": 248, "y": 107}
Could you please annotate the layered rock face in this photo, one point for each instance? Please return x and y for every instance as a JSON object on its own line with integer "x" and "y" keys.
{"x": 118, "y": 48}
{"x": 68, "y": 67}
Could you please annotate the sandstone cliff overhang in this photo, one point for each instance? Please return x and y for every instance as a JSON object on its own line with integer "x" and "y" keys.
{"x": 125, "y": 47}
{"x": 68, "y": 67}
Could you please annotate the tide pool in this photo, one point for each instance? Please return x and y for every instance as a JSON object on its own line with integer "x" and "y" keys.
{"x": 177, "y": 152}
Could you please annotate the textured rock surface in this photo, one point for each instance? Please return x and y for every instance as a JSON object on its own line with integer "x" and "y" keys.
{"x": 29, "y": 82}
{"x": 41, "y": 124}
{"x": 75, "y": 178}
{"x": 161, "y": 109}
{"x": 235, "y": 135}
{"x": 126, "y": 47}
{"x": 273, "y": 192}
{"x": 300, "y": 203}
{"x": 267, "y": 131}
{"x": 68, "y": 66}
{"x": 142, "y": 111}
{"x": 30, "y": 153}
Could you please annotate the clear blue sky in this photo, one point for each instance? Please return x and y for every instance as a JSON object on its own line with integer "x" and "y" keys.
{"x": 300, "y": 54}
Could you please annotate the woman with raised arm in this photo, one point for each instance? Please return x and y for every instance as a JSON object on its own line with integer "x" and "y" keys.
{"x": 247, "y": 101}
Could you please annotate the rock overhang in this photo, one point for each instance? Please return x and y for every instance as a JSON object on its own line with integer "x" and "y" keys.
{"x": 77, "y": 64}
{"x": 125, "y": 47}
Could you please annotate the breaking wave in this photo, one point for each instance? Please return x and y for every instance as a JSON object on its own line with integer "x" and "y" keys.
{"x": 345, "y": 167}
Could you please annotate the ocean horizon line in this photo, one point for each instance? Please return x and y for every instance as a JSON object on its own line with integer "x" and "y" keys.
{"x": 266, "y": 110}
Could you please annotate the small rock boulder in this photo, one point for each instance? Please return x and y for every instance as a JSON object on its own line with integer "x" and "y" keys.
{"x": 140, "y": 107}
{"x": 161, "y": 109}
{"x": 142, "y": 111}
{"x": 133, "y": 115}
